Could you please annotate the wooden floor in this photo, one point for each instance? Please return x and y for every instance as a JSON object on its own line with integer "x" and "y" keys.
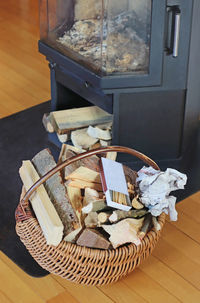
{"x": 171, "y": 274}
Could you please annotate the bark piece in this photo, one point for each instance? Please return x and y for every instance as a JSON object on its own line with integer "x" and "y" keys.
{"x": 94, "y": 206}
{"x": 85, "y": 174}
{"x": 81, "y": 139}
{"x": 45, "y": 212}
{"x": 94, "y": 146}
{"x": 93, "y": 238}
{"x": 96, "y": 132}
{"x": 118, "y": 215}
{"x": 47, "y": 123}
{"x": 125, "y": 231}
{"x": 43, "y": 163}
{"x": 145, "y": 226}
{"x": 156, "y": 225}
{"x": 70, "y": 119}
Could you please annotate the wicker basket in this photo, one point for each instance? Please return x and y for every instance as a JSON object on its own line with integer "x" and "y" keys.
{"x": 81, "y": 264}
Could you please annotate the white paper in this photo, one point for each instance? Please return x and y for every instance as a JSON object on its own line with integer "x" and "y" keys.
{"x": 155, "y": 187}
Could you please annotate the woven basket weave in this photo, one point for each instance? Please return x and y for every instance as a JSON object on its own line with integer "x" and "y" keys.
{"x": 81, "y": 264}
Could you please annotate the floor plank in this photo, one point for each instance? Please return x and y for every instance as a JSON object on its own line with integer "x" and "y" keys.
{"x": 173, "y": 258}
{"x": 84, "y": 293}
{"x": 149, "y": 289}
{"x": 4, "y": 298}
{"x": 45, "y": 287}
{"x": 62, "y": 298}
{"x": 120, "y": 292}
{"x": 14, "y": 288}
{"x": 170, "y": 280}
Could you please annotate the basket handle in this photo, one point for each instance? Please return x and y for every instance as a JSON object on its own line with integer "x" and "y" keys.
{"x": 78, "y": 157}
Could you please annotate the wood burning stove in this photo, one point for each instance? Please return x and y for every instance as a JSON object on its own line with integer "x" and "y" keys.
{"x": 137, "y": 59}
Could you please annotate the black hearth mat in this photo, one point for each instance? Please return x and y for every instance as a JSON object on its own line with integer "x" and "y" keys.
{"x": 22, "y": 135}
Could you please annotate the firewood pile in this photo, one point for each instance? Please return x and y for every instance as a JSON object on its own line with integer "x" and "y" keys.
{"x": 87, "y": 127}
{"x": 72, "y": 204}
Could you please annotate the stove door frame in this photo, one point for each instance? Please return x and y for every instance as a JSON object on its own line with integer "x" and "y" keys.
{"x": 157, "y": 47}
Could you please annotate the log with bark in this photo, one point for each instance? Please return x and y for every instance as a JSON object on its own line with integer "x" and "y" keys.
{"x": 44, "y": 210}
{"x": 43, "y": 163}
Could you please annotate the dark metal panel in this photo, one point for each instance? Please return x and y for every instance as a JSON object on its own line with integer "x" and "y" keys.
{"x": 192, "y": 113}
{"x": 152, "y": 123}
{"x": 175, "y": 68}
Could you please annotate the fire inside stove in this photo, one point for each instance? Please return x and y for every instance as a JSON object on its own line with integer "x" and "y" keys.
{"x": 105, "y": 35}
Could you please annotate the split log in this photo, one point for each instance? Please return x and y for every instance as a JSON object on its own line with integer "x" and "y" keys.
{"x": 96, "y": 132}
{"x": 136, "y": 203}
{"x": 85, "y": 174}
{"x": 47, "y": 123}
{"x": 81, "y": 139}
{"x": 44, "y": 210}
{"x": 104, "y": 143}
{"x": 75, "y": 198}
{"x": 118, "y": 215}
{"x": 90, "y": 195}
{"x": 125, "y": 231}
{"x": 93, "y": 238}
{"x": 91, "y": 220}
{"x": 43, "y": 163}
{"x": 83, "y": 184}
{"x": 111, "y": 155}
{"x": 94, "y": 206}
{"x": 73, "y": 236}
{"x": 70, "y": 119}
{"x": 103, "y": 217}
{"x": 68, "y": 151}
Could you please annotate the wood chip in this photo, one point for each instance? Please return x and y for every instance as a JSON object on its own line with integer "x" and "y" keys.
{"x": 125, "y": 231}
{"x": 81, "y": 139}
{"x": 98, "y": 133}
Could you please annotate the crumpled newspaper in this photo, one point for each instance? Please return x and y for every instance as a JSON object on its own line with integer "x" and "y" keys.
{"x": 155, "y": 187}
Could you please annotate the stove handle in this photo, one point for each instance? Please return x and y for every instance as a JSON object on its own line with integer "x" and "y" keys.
{"x": 177, "y": 22}
{"x": 173, "y": 30}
